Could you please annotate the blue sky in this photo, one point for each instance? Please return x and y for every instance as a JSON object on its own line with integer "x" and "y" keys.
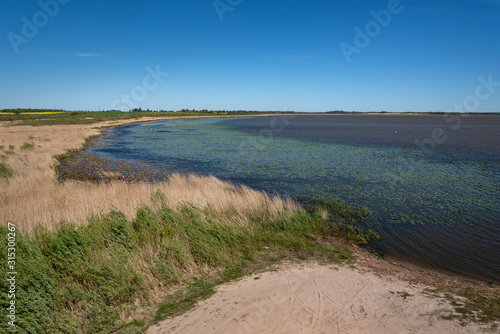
{"x": 276, "y": 55}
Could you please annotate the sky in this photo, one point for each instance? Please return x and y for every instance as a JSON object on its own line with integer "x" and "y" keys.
{"x": 269, "y": 55}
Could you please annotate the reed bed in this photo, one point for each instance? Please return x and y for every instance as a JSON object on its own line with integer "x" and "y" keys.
{"x": 33, "y": 196}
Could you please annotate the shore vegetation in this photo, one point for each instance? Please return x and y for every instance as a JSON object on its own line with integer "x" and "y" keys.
{"x": 119, "y": 257}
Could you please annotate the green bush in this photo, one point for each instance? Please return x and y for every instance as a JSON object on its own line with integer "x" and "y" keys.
{"x": 5, "y": 171}
{"x": 27, "y": 146}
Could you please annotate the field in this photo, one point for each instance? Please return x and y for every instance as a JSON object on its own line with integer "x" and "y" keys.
{"x": 38, "y": 118}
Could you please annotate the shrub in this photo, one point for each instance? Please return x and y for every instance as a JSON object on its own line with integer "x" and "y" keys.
{"x": 27, "y": 146}
{"x": 5, "y": 171}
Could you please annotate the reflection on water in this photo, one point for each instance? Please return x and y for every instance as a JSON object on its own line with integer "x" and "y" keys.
{"x": 436, "y": 207}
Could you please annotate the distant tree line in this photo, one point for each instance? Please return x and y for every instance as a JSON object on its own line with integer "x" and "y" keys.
{"x": 235, "y": 112}
{"x": 207, "y": 111}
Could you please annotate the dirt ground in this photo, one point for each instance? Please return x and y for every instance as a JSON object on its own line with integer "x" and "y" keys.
{"x": 373, "y": 296}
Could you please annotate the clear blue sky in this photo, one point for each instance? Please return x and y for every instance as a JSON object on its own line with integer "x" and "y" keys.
{"x": 250, "y": 54}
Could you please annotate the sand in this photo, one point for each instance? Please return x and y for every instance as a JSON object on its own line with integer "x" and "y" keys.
{"x": 316, "y": 298}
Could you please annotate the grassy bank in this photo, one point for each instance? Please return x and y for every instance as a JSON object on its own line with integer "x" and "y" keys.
{"x": 30, "y": 193}
{"x": 61, "y": 118}
{"x": 93, "y": 278}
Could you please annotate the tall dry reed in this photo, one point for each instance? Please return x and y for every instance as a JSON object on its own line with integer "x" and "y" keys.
{"x": 34, "y": 196}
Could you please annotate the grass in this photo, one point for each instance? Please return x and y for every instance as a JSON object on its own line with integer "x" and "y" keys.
{"x": 402, "y": 294}
{"x": 38, "y": 119}
{"x": 34, "y": 196}
{"x": 469, "y": 306}
{"x": 5, "y": 171}
{"x": 185, "y": 299}
{"x": 80, "y": 279}
{"x": 77, "y": 118}
{"x": 27, "y": 146}
{"x": 474, "y": 307}
{"x": 342, "y": 219}
{"x": 61, "y": 157}
{"x": 27, "y": 203}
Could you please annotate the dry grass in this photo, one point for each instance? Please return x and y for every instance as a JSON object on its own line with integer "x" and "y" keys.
{"x": 34, "y": 196}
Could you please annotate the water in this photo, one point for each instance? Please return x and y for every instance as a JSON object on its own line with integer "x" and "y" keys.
{"x": 433, "y": 184}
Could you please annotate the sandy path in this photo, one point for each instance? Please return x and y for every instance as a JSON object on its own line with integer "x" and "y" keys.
{"x": 313, "y": 298}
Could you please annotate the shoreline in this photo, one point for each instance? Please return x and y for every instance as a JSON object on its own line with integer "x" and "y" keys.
{"x": 365, "y": 260}
{"x": 414, "y": 267}
{"x": 401, "y": 262}
{"x": 95, "y": 132}
{"x": 314, "y": 297}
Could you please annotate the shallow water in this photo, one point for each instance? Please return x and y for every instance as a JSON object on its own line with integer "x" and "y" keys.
{"x": 435, "y": 201}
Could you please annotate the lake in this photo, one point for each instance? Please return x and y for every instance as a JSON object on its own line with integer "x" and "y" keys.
{"x": 432, "y": 182}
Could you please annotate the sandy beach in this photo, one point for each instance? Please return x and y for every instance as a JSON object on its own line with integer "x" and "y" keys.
{"x": 320, "y": 298}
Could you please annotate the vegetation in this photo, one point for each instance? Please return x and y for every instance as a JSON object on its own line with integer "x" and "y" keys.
{"x": 383, "y": 112}
{"x": 5, "y": 171}
{"x": 81, "y": 276}
{"x": 27, "y": 146}
{"x": 29, "y": 110}
{"x": 38, "y": 117}
{"x": 79, "y": 279}
{"x": 477, "y": 308}
{"x": 342, "y": 219}
{"x": 402, "y": 294}
{"x": 76, "y": 117}
{"x": 469, "y": 306}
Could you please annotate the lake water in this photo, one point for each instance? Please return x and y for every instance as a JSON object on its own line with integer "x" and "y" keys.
{"x": 432, "y": 182}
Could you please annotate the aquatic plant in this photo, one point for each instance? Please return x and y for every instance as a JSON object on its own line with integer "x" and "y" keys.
{"x": 417, "y": 200}
{"x": 430, "y": 191}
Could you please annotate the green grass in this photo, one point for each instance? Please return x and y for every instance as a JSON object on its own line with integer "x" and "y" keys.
{"x": 404, "y": 294}
{"x": 78, "y": 279}
{"x": 342, "y": 219}
{"x": 475, "y": 308}
{"x": 185, "y": 299}
{"x": 95, "y": 117}
{"x": 27, "y": 146}
{"x": 470, "y": 306}
{"x": 6, "y": 152}
{"x": 5, "y": 171}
